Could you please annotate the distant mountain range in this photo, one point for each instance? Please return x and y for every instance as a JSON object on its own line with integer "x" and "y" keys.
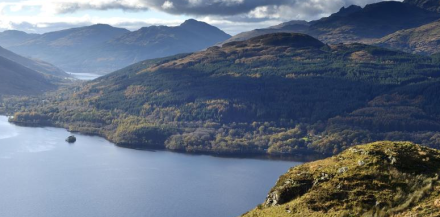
{"x": 356, "y": 24}
{"x": 103, "y": 48}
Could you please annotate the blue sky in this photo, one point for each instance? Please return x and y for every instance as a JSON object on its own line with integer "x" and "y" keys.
{"x": 232, "y": 16}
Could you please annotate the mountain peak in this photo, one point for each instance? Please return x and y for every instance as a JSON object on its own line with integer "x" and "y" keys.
{"x": 344, "y": 11}
{"x": 101, "y": 25}
{"x": 192, "y": 23}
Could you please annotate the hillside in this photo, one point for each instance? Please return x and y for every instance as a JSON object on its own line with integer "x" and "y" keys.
{"x": 421, "y": 40}
{"x": 378, "y": 179}
{"x": 103, "y": 48}
{"x": 274, "y": 94}
{"x": 37, "y": 65}
{"x": 16, "y": 79}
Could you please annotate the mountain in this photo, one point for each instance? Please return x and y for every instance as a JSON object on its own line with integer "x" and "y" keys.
{"x": 14, "y": 37}
{"x": 153, "y": 42}
{"x": 378, "y": 179}
{"x": 296, "y": 26}
{"x": 16, "y": 79}
{"x": 373, "y": 21}
{"x": 66, "y": 48}
{"x": 102, "y": 48}
{"x": 356, "y": 24}
{"x": 280, "y": 93}
{"x": 37, "y": 65}
{"x": 430, "y": 5}
{"x": 421, "y": 40}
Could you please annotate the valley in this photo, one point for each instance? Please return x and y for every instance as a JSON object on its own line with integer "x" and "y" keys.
{"x": 166, "y": 115}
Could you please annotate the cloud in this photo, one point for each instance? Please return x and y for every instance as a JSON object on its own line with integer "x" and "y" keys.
{"x": 70, "y": 6}
{"x": 268, "y": 8}
{"x": 167, "y": 5}
{"x": 48, "y": 24}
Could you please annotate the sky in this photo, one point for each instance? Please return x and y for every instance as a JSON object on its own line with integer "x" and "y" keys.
{"x": 232, "y": 16}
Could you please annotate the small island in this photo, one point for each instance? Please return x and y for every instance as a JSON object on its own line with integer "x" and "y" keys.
{"x": 71, "y": 139}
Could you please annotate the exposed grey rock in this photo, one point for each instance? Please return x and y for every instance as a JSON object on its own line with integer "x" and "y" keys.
{"x": 343, "y": 170}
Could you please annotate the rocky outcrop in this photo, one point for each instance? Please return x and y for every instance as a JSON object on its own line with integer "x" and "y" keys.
{"x": 378, "y": 179}
{"x": 421, "y": 40}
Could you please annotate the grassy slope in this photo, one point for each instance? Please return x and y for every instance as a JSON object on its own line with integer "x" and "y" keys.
{"x": 378, "y": 179}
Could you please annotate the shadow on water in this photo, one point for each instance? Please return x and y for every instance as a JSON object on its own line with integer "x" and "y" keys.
{"x": 300, "y": 157}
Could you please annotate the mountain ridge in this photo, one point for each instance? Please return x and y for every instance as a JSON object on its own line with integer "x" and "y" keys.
{"x": 102, "y": 48}
{"x": 356, "y": 24}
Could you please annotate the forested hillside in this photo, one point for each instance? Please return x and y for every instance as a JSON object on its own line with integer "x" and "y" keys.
{"x": 278, "y": 94}
{"x": 17, "y": 80}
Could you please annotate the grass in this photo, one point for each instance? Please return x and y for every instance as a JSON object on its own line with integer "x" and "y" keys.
{"x": 377, "y": 179}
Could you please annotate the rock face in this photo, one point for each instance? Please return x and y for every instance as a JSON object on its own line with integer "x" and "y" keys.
{"x": 378, "y": 179}
{"x": 421, "y": 40}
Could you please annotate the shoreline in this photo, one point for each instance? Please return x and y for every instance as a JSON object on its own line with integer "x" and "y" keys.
{"x": 298, "y": 157}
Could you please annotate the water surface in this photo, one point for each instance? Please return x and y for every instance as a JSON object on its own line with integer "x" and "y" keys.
{"x": 43, "y": 176}
{"x": 85, "y": 76}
